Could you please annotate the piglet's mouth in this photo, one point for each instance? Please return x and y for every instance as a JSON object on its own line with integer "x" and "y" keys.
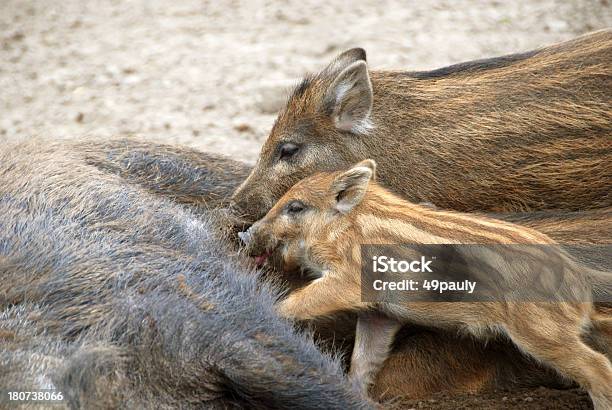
{"x": 247, "y": 238}
{"x": 261, "y": 259}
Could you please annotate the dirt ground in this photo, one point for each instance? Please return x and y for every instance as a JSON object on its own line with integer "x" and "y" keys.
{"x": 536, "y": 399}
{"x": 212, "y": 74}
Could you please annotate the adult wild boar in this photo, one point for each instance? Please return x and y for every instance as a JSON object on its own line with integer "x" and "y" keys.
{"x": 118, "y": 296}
{"x": 527, "y": 131}
{"x": 196, "y": 179}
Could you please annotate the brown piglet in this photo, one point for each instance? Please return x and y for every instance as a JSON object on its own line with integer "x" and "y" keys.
{"x": 527, "y": 131}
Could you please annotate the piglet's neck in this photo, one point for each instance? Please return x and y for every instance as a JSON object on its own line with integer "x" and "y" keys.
{"x": 383, "y": 204}
{"x": 383, "y": 217}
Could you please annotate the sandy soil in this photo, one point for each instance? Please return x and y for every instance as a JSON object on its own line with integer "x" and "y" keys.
{"x": 212, "y": 74}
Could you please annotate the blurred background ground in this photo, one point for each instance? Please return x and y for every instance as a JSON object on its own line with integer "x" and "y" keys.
{"x": 212, "y": 74}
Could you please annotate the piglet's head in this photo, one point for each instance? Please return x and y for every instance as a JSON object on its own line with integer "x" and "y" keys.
{"x": 308, "y": 212}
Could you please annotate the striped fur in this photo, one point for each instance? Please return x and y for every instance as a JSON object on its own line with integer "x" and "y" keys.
{"x": 339, "y": 211}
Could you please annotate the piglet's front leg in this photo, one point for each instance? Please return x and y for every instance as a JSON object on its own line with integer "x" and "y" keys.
{"x": 373, "y": 340}
{"x": 321, "y": 297}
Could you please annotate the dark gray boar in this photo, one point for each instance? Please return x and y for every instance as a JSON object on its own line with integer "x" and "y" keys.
{"x": 197, "y": 179}
{"x": 122, "y": 298}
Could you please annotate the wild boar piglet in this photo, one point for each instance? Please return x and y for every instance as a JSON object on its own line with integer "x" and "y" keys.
{"x": 324, "y": 222}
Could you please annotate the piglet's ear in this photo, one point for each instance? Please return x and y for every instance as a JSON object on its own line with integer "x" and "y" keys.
{"x": 350, "y": 187}
{"x": 345, "y": 59}
{"x": 348, "y": 100}
{"x": 368, "y": 163}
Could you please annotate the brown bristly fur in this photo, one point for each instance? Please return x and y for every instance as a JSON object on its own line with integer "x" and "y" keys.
{"x": 521, "y": 132}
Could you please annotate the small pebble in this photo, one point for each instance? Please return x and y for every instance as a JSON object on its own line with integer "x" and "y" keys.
{"x": 243, "y": 128}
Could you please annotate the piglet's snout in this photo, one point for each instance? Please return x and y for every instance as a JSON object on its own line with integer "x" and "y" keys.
{"x": 246, "y": 236}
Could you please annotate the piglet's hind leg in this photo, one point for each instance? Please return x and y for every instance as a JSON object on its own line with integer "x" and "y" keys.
{"x": 373, "y": 339}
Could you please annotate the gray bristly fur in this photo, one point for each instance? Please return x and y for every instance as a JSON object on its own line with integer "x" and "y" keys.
{"x": 121, "y": 298}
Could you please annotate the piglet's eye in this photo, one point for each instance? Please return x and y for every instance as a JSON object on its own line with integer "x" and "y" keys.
{"x": 295, "y": 207}
{"x": 288, "y": 150}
